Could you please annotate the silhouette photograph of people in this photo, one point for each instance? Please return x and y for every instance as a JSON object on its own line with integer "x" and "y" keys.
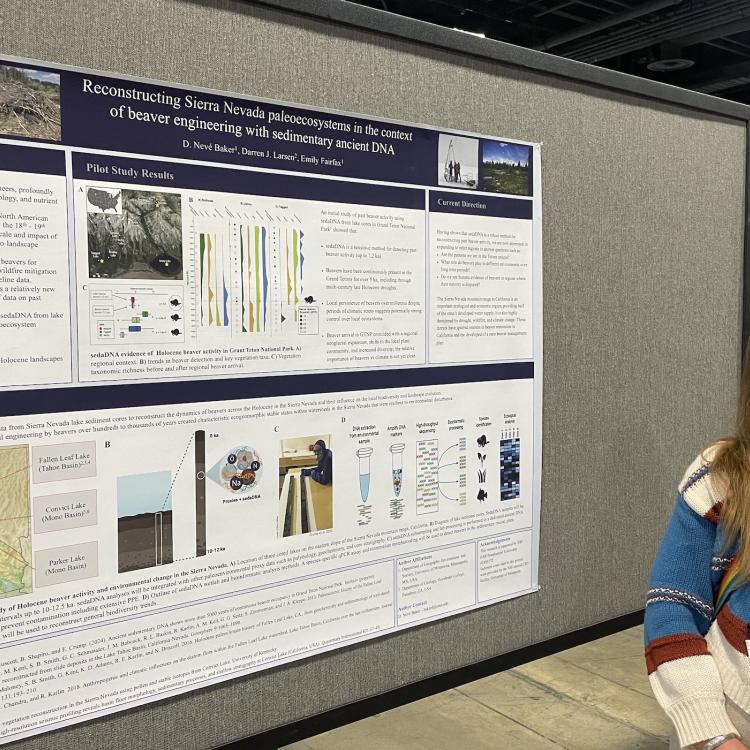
{"x": 458, "y": 161}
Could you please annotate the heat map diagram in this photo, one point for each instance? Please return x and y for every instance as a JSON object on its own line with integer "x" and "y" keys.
{"x": 510, "y": 465}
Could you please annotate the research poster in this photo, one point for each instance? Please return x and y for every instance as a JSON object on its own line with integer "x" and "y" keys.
{"x": 270, "y": 381}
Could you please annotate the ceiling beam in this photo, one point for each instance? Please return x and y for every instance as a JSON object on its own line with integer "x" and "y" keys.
{"x": 686, "y": 19}
{"x": 553, "y": 9}
{"x": 716, "y": 32}
{"x": 571, "y": 16}
{"x": 716, "y": 76}
{"x": 736, "y": 88}
{"x": 485, "y": 13}
{"x": 607, "y": 23}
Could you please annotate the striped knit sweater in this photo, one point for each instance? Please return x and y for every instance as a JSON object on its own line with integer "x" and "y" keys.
{"x": 696, "y": 645}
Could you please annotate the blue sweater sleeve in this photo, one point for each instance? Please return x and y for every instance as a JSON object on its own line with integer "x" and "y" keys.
{"x": 680, "y": 598}
{"x": 683, "y": 673}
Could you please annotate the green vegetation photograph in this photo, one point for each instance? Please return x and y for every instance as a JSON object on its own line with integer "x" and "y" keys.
{"x": 505, "y": 168}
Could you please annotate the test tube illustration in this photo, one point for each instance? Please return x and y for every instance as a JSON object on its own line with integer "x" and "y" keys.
{"x": 397, "y": 465}
{"x": 363, "y": 454}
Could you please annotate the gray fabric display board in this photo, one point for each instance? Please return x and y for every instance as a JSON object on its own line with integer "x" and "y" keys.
{"x": 644, "y": 212}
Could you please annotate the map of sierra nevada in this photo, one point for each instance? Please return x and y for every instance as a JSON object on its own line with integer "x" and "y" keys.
{"x": 15, "y": 522}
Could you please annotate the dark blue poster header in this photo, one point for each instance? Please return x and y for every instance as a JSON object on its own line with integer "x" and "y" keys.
{"x": 38, "y": 160}
{"x": 245, "y": 182}
{"x": 481, "y": 205}
{"x": 113, "y": 114}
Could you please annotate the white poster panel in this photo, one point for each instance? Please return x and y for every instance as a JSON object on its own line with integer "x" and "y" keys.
{"x": 270, "y": 384}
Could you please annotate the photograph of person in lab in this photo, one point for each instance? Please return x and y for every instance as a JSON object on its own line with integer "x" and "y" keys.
{"x": 323, "y": 472}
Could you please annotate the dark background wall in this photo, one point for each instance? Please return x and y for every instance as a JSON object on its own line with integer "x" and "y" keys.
{"x": 643, "y": 236}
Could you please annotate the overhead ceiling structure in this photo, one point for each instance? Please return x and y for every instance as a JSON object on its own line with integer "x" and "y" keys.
{"x": 702, "y": 45}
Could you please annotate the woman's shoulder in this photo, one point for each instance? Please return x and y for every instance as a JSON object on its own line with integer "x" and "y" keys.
{"x": 700, "y": 488}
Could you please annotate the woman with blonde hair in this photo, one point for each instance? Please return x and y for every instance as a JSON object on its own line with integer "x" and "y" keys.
{"x": 698, "y": 605}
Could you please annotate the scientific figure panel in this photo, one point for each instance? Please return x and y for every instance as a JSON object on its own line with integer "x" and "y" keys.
{"x": 151, "y": 232}
{"x": 274, "y": 527}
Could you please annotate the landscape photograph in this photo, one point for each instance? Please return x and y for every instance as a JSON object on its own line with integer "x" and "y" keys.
{"x": 134, "y": 234}
{"x": 505, "y": 168}
{"x": 29, "y": 103}
{"x": 144, "y": 520}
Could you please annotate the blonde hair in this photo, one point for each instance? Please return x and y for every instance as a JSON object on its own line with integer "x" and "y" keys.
{"x": 730, "y": 470}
